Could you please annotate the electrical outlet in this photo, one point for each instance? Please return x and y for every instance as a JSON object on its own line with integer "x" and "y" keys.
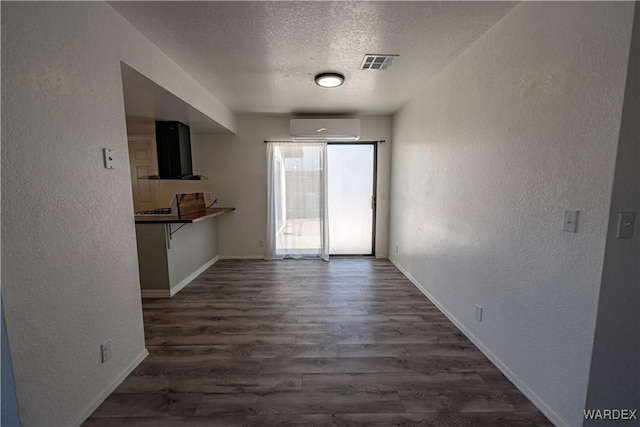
{"x": 107, "y": 350}
{"x": 396, "y": 248}
{"x": 478, "y": 313}
{"x": 261, "y": 243}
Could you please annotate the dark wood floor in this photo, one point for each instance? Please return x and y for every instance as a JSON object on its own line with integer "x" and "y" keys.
{"x": 350, "y": 342}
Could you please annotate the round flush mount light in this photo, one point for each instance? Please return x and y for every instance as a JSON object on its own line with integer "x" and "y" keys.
{"x": 329, "y": 79}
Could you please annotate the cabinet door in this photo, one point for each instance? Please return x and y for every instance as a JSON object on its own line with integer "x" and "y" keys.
{"x": 142, "y": 162}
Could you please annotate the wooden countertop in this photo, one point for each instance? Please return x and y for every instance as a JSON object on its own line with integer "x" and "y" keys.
{"x": 182, "y": 219}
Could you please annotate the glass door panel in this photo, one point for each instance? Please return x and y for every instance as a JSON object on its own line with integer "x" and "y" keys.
{"x": 350, "y": 174}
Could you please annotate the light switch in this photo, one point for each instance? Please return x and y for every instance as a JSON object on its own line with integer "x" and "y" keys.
{"x": 626, "y": 221}
{"x": 478, "y": 313}
{"x": 109, "y": 162}
{"x": 570, "y": 221}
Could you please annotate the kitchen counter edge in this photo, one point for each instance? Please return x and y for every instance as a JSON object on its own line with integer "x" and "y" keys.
{"x": 183, "y": 219}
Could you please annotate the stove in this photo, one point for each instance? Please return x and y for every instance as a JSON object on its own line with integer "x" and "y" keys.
{"x": 172, "y": 210}
{"x": 158, "y": 211}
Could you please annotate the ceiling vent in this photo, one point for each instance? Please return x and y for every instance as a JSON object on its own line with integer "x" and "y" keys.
{"x": 377, "y": 62}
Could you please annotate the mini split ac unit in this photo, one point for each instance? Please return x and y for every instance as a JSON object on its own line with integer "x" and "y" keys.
{"x": 325, "y": 129}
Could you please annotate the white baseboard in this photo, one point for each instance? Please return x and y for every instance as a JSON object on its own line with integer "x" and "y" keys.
{"x": 177, "y": 288}
{"x": 155, "y": 293}
{"x": 88, "y": 410}
{"x": 242, "y": 257}
{"x": 521, "y": 385}
{"x": 168, "y": 293}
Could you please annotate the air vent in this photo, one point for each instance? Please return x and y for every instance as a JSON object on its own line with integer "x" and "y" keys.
{"x": 377, "y": 62}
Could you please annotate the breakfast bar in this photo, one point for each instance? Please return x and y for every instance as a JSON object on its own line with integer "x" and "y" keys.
{"x": 183, "y": 219}
{"x": 175, "y": 249}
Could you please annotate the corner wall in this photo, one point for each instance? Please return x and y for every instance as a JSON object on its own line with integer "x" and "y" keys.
{"x": 614, "y": 382}
{"x": 9, "y": 407}
{"x": 522, "y": 125}
{"x": 70, "y": 273}
{"x": 236, "y": 165}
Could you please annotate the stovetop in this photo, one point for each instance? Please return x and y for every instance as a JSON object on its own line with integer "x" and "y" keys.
{"x": 158, "y": 211}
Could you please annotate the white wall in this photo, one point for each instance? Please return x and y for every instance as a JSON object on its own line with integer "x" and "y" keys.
{"x": 614, "y": 380}
{"x": 70, "y": 274}
{"x": 522, "y": 125}
{"x": 163, "y": 190}
{"x": 169, "y": 262}
{"x": 236, "y": 165}
{"x": 192, "y": 247}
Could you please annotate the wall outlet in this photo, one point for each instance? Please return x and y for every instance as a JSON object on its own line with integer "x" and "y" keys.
{"x": 396, "y": 248}
{"x": 261, "y": 243}
{"x": 107, "y": 350}
{"x": 478, "y": 313}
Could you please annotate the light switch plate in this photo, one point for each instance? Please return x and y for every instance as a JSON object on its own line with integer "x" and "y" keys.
{"x": 570, "y": 221}
{"x": 626, "y": 221}
{"x": 109, "y": 162}
{"x": 478, "y": 313}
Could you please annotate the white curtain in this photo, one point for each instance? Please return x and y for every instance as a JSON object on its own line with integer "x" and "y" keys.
{"x": 297, "y": 215}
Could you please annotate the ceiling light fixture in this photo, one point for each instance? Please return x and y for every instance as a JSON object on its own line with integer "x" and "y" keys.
{"x": 329, "y": 79}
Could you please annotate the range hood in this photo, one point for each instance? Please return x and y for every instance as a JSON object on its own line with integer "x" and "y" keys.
{"x": 173, "y": 144}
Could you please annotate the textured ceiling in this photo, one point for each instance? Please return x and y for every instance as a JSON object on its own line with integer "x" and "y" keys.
{"x": 261, "y": 57}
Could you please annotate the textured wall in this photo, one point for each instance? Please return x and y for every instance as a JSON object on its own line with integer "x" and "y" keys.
{"x": 193, "y": 246}
{"x": 165, "y": 190}
{"x": 70, "y": 274}
{"x": 153, "y": 261}
{"x": 237, "y": 167}
{"x": 9, "y": 409}
{"x": 522, "y": 125}
{"x": 614, "y": 382}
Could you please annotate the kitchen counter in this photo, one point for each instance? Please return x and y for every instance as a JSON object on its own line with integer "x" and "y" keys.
{"x": 174, "y": 250}
{"x": 182, "y": 219}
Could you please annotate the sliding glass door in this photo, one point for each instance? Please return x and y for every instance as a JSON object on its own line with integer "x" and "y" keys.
{"x": 351, "y": 198}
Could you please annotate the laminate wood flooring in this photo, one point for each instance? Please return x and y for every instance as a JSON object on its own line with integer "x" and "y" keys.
{"x": 350, "y": 342}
